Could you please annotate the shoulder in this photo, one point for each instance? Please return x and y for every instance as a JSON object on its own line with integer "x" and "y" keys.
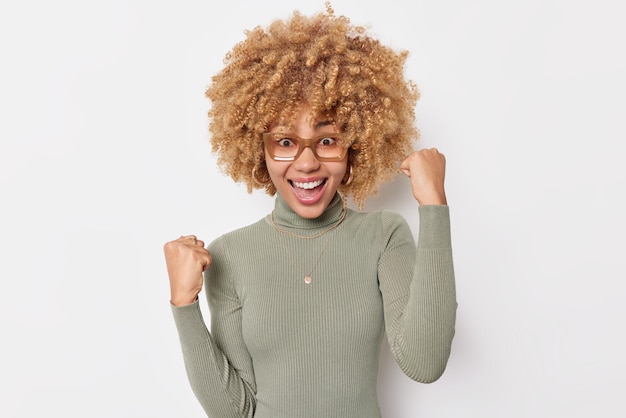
{"x": 247, "y": 235}
{"x": 381, "y": 226}
{"x": 230, "y": 250}
{"x": 385, "y": 219}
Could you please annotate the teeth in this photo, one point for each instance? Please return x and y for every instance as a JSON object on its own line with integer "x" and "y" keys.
{"x": 309, "y": 185}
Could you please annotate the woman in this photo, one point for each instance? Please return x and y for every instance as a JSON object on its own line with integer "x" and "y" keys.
{"x": 313, "y": 110}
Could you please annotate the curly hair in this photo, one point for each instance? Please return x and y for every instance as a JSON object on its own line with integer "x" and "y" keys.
{"x": 335, "y": 68}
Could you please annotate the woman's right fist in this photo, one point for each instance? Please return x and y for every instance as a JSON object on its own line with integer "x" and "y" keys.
{"x": 186, "y": 259}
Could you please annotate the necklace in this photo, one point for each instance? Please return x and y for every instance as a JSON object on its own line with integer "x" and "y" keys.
{"x": 308, "y": 277}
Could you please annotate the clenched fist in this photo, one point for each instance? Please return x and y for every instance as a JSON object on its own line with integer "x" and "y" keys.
{"x": 427, "y": 170}
{"x": 186, "y": 259}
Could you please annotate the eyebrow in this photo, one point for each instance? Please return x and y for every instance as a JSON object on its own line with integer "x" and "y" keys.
{"x": 318, "y": 125}
{"x": 323, "y": 123}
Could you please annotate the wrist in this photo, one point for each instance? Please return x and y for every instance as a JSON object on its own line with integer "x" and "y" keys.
{"x": 434, "y": 199}
{"x": 183, "y": 299}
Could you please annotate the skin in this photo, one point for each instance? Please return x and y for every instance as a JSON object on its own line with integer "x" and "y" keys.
{"x": 186, "y": 257}
{"x": 306, "y": 169}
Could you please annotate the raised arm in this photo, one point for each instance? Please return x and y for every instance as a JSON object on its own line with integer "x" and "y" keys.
{"x": 418, "y": 288}
{"x": 218, "y": 367}
{"x": 418, "y": 284}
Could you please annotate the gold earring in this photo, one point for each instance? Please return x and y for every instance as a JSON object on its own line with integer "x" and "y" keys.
{"x": 261, "y": 182}
{"x": 346, "y": 181}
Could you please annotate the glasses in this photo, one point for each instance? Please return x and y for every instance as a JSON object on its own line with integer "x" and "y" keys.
{"x": 288, "y": 147}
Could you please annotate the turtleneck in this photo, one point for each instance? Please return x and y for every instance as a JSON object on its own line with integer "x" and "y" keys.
{"x": 282, "y": 347}
{"x": 286, "y": 218}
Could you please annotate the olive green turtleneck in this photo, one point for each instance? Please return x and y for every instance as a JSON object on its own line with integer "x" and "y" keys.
{"x": 282, "y": 348}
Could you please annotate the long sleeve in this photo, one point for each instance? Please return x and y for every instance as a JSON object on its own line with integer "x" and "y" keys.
{"x": 218, "y": 366}
{"x": 418, "y": 288}
{"x": 315, "y": 344}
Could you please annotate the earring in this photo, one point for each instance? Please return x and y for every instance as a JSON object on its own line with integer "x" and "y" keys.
{"x": 346, "y": 181}
{"x": 260, "y": 182}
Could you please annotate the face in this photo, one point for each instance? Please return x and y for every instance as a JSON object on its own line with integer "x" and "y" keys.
{"x": 306, "y": 184}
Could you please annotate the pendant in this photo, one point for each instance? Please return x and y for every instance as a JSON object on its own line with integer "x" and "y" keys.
{"x": 308, "y": 279}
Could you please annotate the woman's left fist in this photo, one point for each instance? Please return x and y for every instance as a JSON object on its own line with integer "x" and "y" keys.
{"x": 427, "y": 170}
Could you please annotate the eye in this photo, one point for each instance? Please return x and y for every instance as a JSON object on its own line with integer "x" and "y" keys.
{"x": 286, "y": 142}
{"x": 327, "y": 142}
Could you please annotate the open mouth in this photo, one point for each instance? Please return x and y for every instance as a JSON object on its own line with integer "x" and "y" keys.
{"x": 308, "y": 190}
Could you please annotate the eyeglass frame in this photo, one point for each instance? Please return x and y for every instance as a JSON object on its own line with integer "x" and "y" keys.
{"x": 302, "y": 144}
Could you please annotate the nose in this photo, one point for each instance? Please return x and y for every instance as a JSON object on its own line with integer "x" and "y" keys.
{"x": 307, "y": 161}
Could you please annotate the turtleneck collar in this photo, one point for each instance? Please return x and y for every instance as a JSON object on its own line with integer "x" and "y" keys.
{"x": 285, "y": 217}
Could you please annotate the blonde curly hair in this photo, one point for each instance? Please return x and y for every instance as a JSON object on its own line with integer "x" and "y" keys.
{"x": 332, "y": 66}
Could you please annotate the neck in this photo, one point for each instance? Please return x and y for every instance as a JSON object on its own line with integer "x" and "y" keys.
{"x": 286, "y": 219}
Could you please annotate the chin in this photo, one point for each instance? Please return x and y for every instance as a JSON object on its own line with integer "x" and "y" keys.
{"x": 312, "y": 205}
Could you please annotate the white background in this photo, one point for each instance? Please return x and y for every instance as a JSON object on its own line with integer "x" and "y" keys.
{"x": 105, "y": 156}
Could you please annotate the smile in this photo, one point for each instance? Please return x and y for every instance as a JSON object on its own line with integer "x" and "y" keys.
{"x": 308, "y": 185}
{"x": 308, "y": 192}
